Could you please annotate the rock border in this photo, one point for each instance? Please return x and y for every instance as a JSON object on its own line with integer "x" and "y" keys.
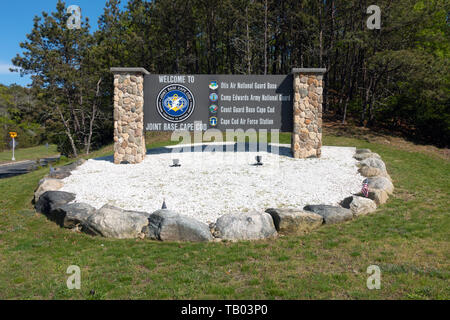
{"x": 167, "y": 225}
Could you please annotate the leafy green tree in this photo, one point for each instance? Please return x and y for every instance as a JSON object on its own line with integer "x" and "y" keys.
{"x": 59, "y": 60}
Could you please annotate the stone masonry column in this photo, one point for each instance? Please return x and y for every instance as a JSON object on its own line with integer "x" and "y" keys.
{"x": 307, "y": 129}
{"x": 129, "y": 138}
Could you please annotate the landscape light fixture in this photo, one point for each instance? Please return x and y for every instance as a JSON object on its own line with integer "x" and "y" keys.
{"x": 258, "y": 161}
{"x": 176, "y": 163}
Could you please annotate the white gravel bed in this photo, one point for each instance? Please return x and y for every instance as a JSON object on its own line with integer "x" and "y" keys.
{"x": 210, "y": 184}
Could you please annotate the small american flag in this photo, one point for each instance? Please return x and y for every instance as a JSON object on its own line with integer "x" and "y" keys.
{"x": 365, "y": 188}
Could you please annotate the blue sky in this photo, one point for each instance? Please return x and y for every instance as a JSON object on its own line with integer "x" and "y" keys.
{"x": 16, "y": 20}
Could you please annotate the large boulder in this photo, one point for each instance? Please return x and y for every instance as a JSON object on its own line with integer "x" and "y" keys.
{"x": 294, "y": 221}
{"x": 374, "y": 163}
{"x": 363, "y": 156}
{"x": 66, "y": 171}
{"x": 330, "y": 214}
{"x": 166, "y": 225}
{"x": 378, "y": 195}
{"x": 367, "y": 171}
{"x": 45, "y": 185}
{"x": 245, "y": 226}
{"x": 155, "y": 221}
{"x": 60, "y": 174}
{"x": 72, "y": 215}
{"x": 112, "y": 222}
{"x": 74, "y": 165}
{"x": 359, "y": 205}
{"x": 362, "y": 151}
{"x": 51, "y": 200}
{"x": 381, "y": 183}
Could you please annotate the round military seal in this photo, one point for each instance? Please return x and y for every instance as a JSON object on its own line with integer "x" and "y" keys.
{"x": 175, "y": 103}
{"x": 213, "y": 108}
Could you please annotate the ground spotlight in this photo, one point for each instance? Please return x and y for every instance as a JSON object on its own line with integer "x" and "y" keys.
{"x": 176, "y": 163}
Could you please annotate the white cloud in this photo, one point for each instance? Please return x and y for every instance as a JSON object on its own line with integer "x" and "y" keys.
{"x": 4, "y": 68}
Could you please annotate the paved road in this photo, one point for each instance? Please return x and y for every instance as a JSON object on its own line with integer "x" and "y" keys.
{"x": 22, "y": 167}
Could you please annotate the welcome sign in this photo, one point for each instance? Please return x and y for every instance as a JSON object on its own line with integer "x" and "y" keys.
{"x": 181, "y": 102}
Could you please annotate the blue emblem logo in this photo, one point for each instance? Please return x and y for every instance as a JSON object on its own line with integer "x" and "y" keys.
{"x": 175, "y": 103}
{"x": 213, "y": 121}
{"x": 213, "y": 97}
{"x": 213, "y": 85}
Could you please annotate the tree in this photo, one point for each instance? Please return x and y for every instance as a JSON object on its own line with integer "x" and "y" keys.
{"x": 59, "y": 61}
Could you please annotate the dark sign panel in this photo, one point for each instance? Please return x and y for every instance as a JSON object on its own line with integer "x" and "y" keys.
{"x": 180, "y": 102}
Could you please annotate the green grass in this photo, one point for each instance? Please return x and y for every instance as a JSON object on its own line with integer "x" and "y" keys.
{"x": 32, "y": 153}
{"x": 408, "y": 238}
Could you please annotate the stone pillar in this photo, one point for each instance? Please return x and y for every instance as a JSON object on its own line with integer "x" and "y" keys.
{"x": 129, "y": 138}
{"x": 307, "y": 129}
